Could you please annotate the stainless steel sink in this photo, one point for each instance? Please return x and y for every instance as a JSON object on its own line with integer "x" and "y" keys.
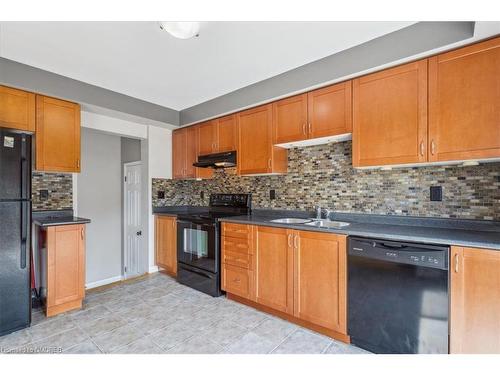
{"x": 291, "y": 220}
{"x": 327, "y": 223}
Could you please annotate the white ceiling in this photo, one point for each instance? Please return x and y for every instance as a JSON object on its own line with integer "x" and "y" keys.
{"x": 140, "y": 60}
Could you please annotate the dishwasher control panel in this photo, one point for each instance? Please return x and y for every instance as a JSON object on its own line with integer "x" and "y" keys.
{"x": 433, "y": 256}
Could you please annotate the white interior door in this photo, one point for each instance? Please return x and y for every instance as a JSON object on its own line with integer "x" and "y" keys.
{"x": 132, "y": 220}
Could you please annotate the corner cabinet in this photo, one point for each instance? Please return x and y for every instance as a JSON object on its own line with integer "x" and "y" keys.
{"x": 17, "y": 109}
{"x": 57, "y": 135}
{"x": 464, "y": 103}
{"x": 166, "y": 243}
{"x": 390, "y": 116}
{"x": 475, "y": 301}
{"x": 297, "y": 275}
{"x": 256, "y": 152}
{"x": 65, "y": 268}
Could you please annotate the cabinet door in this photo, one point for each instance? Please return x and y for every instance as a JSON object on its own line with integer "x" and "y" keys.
{"x": 330, "y": 111}
{"x": 178, "y": 153}
{"x": 166, "y": 243}
{"x": 254, "y": 140}
{"x": 390, "y": 116}
{"x": 290, "y": 119}
{"x": 274, "y": 268}
{"x": 65, "y": 264}
{"x": 475, "y": 301}
{"x": 57, "y": 135}
{"x": 226, "y": 139}
{"x": 207, "y": 138}
{"x": 17, "y": 109}
{"x": 191, "y": 151}
{"x": 320, "y": 279}
{"x": 464, "y": 103}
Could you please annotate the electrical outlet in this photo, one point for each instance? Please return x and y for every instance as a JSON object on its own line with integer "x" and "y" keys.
{"x": 44, "y": 194}
{"x": 202, "y": 194}
{"x": 161, "y": 194}
{"x": 436, "y": 193}
{"x": 272, "y": 194}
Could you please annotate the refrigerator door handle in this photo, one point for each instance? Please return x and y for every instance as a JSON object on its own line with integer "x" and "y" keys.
{"x": 24, "y": 232}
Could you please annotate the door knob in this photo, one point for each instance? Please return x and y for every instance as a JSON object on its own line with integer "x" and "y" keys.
{"x": 139, "y": 233}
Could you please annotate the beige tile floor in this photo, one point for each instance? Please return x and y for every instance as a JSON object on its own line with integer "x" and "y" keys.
{"x": 157, "y": 315}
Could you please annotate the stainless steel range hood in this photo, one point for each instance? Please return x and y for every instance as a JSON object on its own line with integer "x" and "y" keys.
{"x": 220, "y": 160}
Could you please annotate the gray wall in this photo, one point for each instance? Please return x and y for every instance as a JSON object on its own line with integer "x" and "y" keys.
{"x": 99, "y": 198}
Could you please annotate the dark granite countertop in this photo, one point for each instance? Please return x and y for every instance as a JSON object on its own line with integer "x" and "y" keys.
{"x": 57, "y": 217}
{"x": 473, "y": 233}
{"x": 179, "y": 210}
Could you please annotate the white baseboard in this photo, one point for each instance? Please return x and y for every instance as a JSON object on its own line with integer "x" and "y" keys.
{"x": 153, "y": 269}
{"x": 95, "y": 284}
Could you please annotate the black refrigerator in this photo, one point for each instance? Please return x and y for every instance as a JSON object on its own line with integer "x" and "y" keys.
{"x": 15, "y": 231}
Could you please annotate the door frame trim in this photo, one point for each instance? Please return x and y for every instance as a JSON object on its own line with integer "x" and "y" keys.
{"x": 124, "y": 202}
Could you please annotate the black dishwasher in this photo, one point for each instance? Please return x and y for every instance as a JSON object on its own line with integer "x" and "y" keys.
{"x": 398, "y": 296}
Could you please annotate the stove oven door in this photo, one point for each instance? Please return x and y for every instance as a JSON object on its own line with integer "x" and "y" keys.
{"x": 197, "y": 244}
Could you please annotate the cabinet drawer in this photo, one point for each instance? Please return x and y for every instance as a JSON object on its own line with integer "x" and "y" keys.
{"x": 239, "y": 245}
{"x": 237, "y": 259}
{"x": 236, "y": 280}
{"x": 237, "y": 230}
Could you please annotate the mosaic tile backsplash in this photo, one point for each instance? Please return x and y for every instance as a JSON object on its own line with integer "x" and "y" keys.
{"x": 323, "y": 175}
{"x": 60, "y": 189}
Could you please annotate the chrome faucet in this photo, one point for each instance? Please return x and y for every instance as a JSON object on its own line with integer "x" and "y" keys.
{"x": 319, "y": 213}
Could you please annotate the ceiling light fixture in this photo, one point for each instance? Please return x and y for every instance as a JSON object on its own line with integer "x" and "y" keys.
{"x": 181, "y": 30}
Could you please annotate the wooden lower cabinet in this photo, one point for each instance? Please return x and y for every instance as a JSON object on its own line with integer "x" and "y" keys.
{"x": 297, "y": 275}
{"x": 166, "y": 243}
{"x": 65, "y": 268}
{"x": 274, "y": 268}
{"x": 320, "y": 279}
{"x": 475, "y": 301}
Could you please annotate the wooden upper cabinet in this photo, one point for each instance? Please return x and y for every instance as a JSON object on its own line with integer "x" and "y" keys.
{"x": 320, "y": 113}
{"x": 390, "y": 116}
{"x": 17, "y": 109}
{"x": 57, "y": 135}
{"x": 207, "y": 135}
{"x": 65, "y": 268}
{"x": 217, "y": 135}
{"x": 320, "y": 279}
{"x": 178, "y": 153}
{"x": 166, "y": 243}
{"x": 475, "y": 301}
{"x": 191, "y": 151}
{"x": 185, "y": 153}
{"x": 464, "y": 103}
{"x": 330, "y": 110}
{"x": 256, "y": 153}
{"x": 274, "y": 268}
{"x": 226, "y": 133}
{"x": 290, "y": 119}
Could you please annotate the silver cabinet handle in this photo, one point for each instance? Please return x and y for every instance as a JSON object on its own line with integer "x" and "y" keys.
{"x": 309, "y": 126}
{"x": 304, "y": 128}
{"x": 433, "y": 147}
{"x": 422, "y": 150}
{"x": 456, "y": 263}
{"x": 296, "y": 241}
{"x": 289, "y": 240}
{"x": 269, "y": 164}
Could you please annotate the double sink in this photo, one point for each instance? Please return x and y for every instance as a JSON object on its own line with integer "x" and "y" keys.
{"x": 318, "y": 223}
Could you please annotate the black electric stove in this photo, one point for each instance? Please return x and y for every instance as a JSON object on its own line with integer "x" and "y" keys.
{"x": 198, "y": 241}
